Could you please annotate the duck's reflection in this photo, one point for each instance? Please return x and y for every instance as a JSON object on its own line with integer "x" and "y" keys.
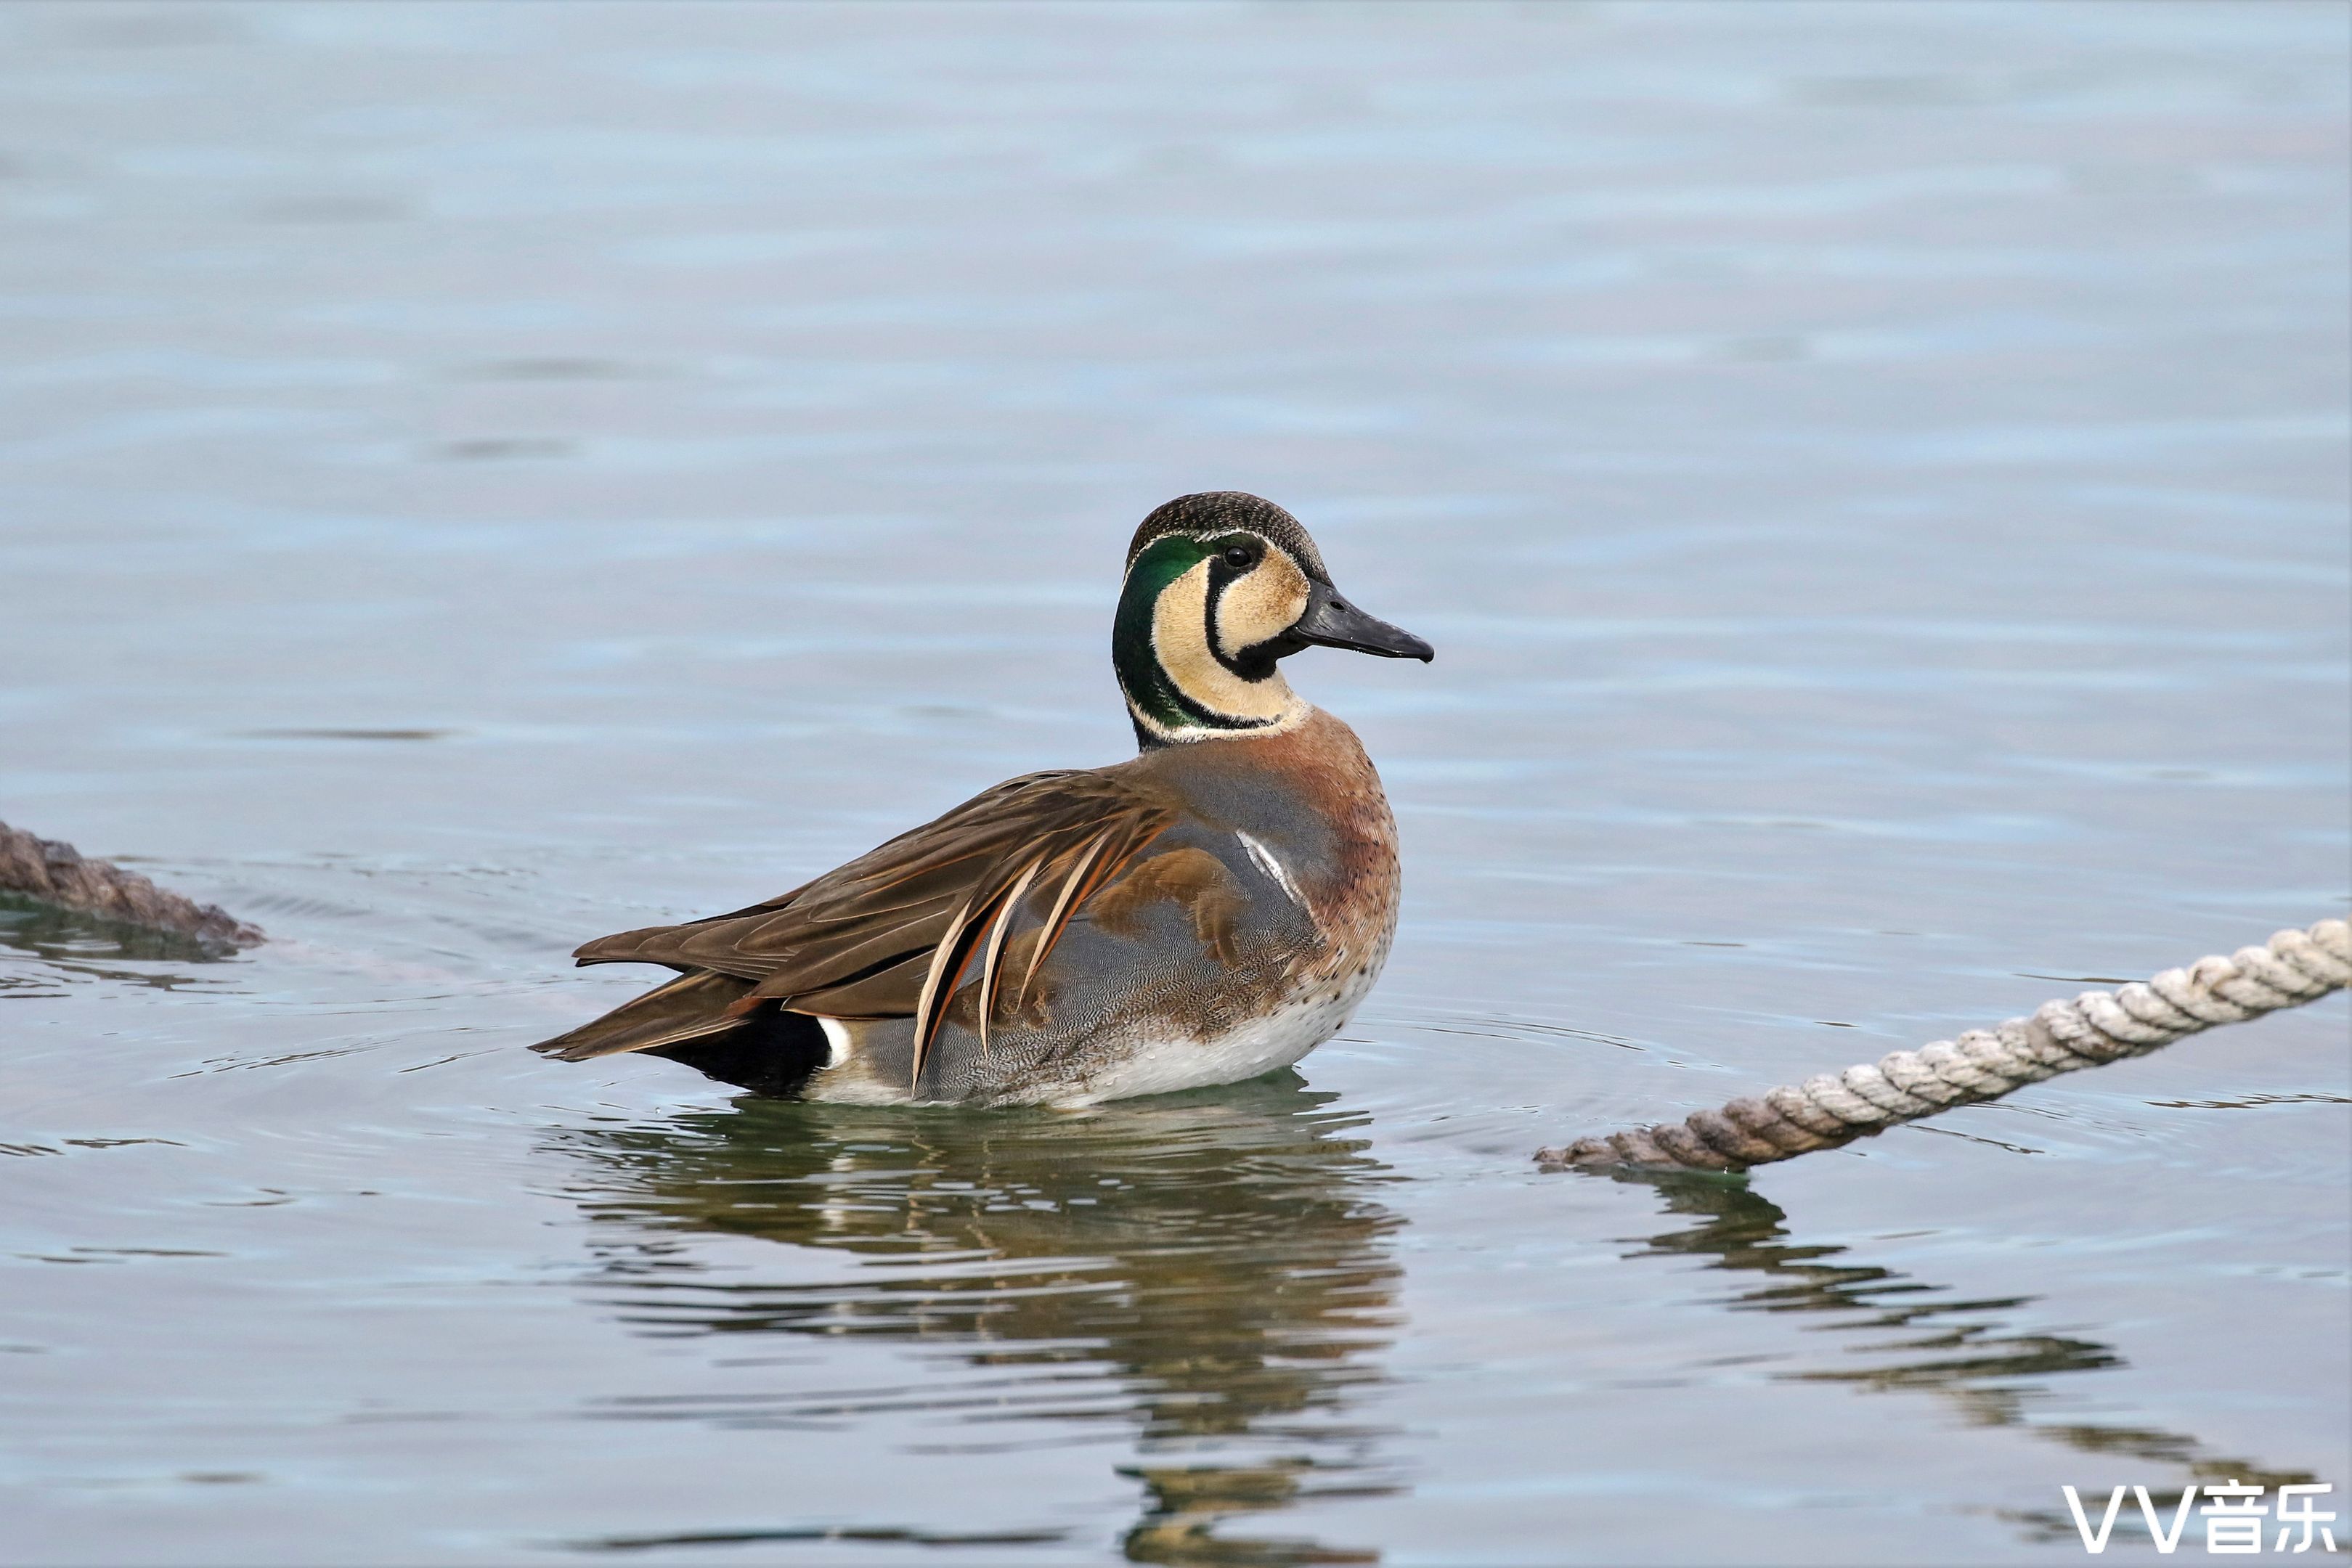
{"x": 1909, "y": 1334}
{"x": 1215, "y": 1270}
{"x": 1223, "y": 1257}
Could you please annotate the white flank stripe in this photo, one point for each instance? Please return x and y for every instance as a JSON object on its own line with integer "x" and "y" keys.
{"x": 1271, "y": 866}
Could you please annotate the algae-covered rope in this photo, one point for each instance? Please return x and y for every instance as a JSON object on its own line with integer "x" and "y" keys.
{"x": 58, "y": 874}
{"x": 2096, "y": 1027}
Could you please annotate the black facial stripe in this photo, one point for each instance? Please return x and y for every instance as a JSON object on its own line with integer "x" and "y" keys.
{"x": 1221, "y": 577}
{"x": 1257, "y": 662}
{"x": 1253, "y": 663}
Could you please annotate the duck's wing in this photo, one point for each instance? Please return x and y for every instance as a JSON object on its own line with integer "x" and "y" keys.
{"x": 894, "y": 933}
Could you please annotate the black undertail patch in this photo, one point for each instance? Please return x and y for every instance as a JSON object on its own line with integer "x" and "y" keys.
{"x": 772, "y": 1051}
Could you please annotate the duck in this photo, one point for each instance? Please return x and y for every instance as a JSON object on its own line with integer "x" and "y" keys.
{"x": 1207, "y": 912}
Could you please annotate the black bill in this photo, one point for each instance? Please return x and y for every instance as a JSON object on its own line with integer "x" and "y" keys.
{"x": 1331, "y": 621}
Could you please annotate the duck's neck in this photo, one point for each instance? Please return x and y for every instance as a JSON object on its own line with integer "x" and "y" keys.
{"x": 1179, "y": 686}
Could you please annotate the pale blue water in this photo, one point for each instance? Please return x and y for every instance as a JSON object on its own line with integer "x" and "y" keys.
{"x": 472, "y": 479}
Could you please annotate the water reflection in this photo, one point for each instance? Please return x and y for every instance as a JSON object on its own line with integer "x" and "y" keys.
{"x": 1214, "y": 1269}
{"x": 69, "y": 945}
{"x": 1959, "y": 1348}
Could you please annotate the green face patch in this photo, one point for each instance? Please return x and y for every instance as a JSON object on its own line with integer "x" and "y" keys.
{"x": 1147, "y": 685}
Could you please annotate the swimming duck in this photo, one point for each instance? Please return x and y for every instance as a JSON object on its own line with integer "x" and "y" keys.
{"x": 1207, "y": 912}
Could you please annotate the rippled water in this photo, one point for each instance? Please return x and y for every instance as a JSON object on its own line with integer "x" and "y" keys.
{"x": 474, "y": 479}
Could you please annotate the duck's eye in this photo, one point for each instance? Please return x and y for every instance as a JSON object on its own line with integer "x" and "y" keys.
{"x": 1237, "y": 556}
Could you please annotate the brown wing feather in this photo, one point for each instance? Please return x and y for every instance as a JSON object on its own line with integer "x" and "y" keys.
{"x": 1192, "y": 879}
{"x": 892, "y": 934}
{"x": 986, "y": 1004}
{"x": 687, "y": 1008}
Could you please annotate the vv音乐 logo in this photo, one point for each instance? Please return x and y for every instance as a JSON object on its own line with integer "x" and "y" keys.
{"x": 2234, "y": 1517}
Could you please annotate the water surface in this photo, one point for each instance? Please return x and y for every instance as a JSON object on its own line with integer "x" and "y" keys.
{"x": 472, "y": 479}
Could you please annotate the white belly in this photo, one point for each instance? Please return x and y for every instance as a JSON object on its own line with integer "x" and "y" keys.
{"x": 1141, "y": 1064}
{"x": 1252, "y": 1050}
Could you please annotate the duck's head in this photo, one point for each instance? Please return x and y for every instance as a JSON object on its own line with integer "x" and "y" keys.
{"x": 1222, "y": 587}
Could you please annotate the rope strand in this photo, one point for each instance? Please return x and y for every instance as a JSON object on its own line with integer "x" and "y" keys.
{"x": 2097, "y": 1027}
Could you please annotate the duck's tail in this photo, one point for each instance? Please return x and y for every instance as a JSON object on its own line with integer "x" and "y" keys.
{"x": 689, "y": 1008}
{"x": 693, "y": 1020}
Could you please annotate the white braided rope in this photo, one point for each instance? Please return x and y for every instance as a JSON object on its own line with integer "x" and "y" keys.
{"x": 2096, "y": 1027}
